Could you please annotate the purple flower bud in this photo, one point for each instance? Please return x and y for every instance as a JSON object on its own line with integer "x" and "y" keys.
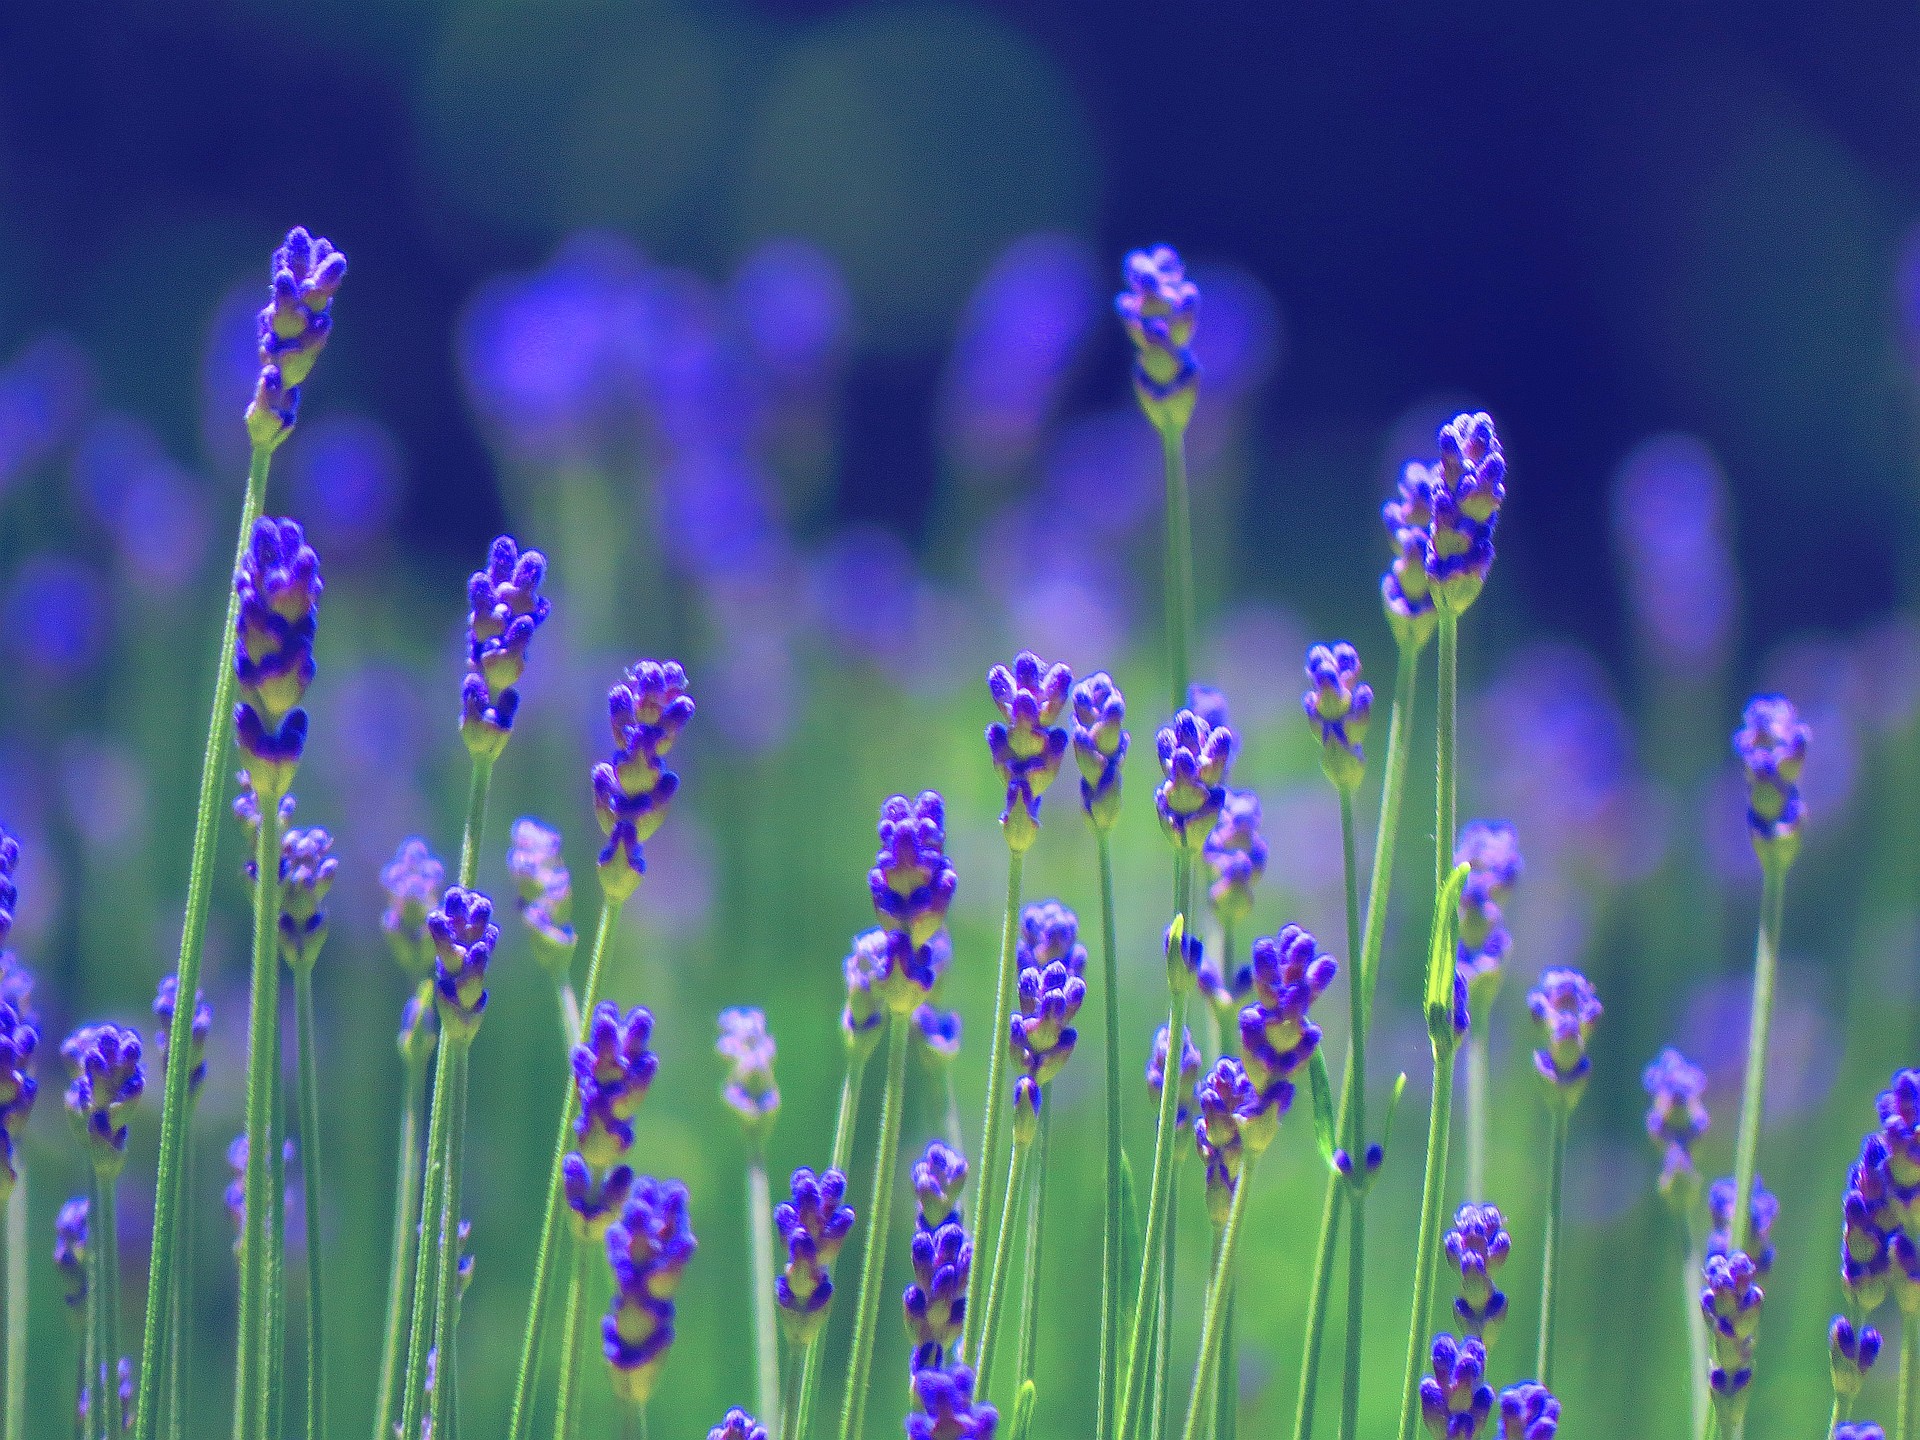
{"x": 413, "y": 881}
{"x": 1276, "y": 1035}
{"x": 70, "y": 1250}
{"x": 866, "y": 969}
{"x": 750, "y": 1092}
{"x": 939, "y": 1032}
{"x": 1676, "y": 1119}
{"x": 9, "y": 890}
{"x": 1566, "y": 1009}
{"x": 912, "y": 881}
{"x": 814, "y": 1225}
{"x": 108, "y": 1079}
{"x": 1455, "y": 1400}
{"x": 1237, "y": 854}
{"x": 1194, "y": 758}
{"x": 293, "y": 329}
{"x": 1404, "y": 589}
{"x": 1051, "y": 989}
{"x": 1669, "y": 516}
{"x": 1851, "y": 1354}
{"x": 631, "y": 792}
{"x": 504, "y": 608}
{"x": 1731, "y": 1305}
{"x": 612, "y": 1071}
{"x": 1099, "y": 746}
{"x": 1528, "y": 1411}
{"x": 539, "y": 869}
{"x": 464, "y": 937}
{"x": 199, "y": 1028}
{"x": 307, "y": 868}
{"x": 1477, "y": 1246}
{"x": 1858, "y": 1430}
{"x": 939, "y": 1178}
{"x": 1491, "y": 851}
{"x": 1469, "y": 486}
{"x": 1761, "y": 1213}
{"x": 1027, "y": 743}
{"x": 1160, "y": 309}
{"x": 19, "y": 1039}
{"x": 279, "y": 587}
{"x": 1870, "y": 1223}
{"x": 935, "y": 1304}
{"x": 1189, "y": 1069}
{"x": 1339, "y": 705}
{"x": 738, "y": 1425}
{"x": 649, "y": 1248}
{"x": 1236, "y": 1122}
{"x": 1772, "y": 745}
{"x": 947, "y": 1410}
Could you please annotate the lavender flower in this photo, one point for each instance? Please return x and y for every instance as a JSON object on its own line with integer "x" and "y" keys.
{"x": 1468, "y": 488}
{"x": 649, "y": 1248}
{"x": 648, "y": 709}
{"x": 1455, "y": 1400}
{"x": 1528, "y": 1411}
{"x": 307, "y": 868}
{"x": 9, "y": 890}
{"x": 70, "y": 1250}
{"x": 935, "y": 1304}
{"x": 1858, "y": 1430}
{"x": 1676, "y": 1119}
{"x": 1027, "y": 744}
{"x": 912, "y": 881}
{"x": 1869, "y": 1227}
{"x": 1276, "y": 1035}
{"x": 1772, "y": 745}
{"x": 939, "y": 1033}
{"x": 1236, "y": 1123}
{"x": 1491, "y": 852}
{"x": 464, "y": 936}
{"x": 947, "y": 1409}
{"x": 1565, "y": 1007}
{"x": 866, "y": 969}
{"x": 1761, "y": 1213}
{"x": 1099, "y": 746}
{"x": 814, "y": 1224}
{"x": 413, "y": 881}
{"x": 535, "y": 861}
{"x": 1477, "y": 1246}
{"x": 1160, "y": 308}
{"x": 1731, "y": 1304}
{"x": 293, "y": 329}
{"x": 1052, "y": 988}
{"x": 108, "y": 1079}
{"x": 612, "y": 1071}
{"x": 738, "y": 1425}
{"x": 504, "y": 608}
{"x": 1339, "y": 705}
{"x": 1194, "y": 758}
{"x": 1669, "y": 516}
{"x": 939, "y": 1178}
{"x": 1237, "y": 854}
{"x": 750, "y": 1092}
{"x": 279, "y": 587}
{"x": 1189, "y": 1070}
{"x": 1899, "y": 1110}
{"x": 18, "y": 1042}
{"x": 200, "y": 1027}
{"x": 1851, "y": 1354}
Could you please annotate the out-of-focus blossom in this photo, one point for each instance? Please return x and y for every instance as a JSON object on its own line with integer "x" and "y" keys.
{"x": 44, "y": 394}
{"x": 1101, "y": 477}
{"x": 56, "y": 616}
{"x": 346, "y": 477}
{"x": 1676, "y": 1119}
{"x": 750, "y": 1092}
{"x": 1670, "y": 522}
{"x": 791, "y": 302}
{"x": 154, "y": 510}
{"x": 1240, "y": 344}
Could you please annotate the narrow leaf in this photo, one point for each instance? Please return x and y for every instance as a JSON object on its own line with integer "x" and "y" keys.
{"x": 1323, "y": 1121}
{"x": 1440, "y": 958}
{"x": 1023, "y": 1404}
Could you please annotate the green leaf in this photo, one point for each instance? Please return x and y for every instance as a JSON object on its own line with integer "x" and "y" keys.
{"x": 1323, "y": 1121}
{"x": 1440, "y": 958}
{"x": 1023, "y": 1403}
{"x": 1393, "y": 1108}
{"x": 1130, "y": 1247}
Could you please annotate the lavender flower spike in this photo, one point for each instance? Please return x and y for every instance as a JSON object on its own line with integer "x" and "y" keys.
{"x": 538, "y": 868}
{"x": 1276, "y": 1035}
{"x": 631, "y": 792}
{"x": 1731, "y": 1304}
{"x": 947, "y": 1410}
{"x": 1160, "y": 308}
{"x": 1339, "y": 705}
{"x": 1761, "y": 1214}
{"x": 1469, "y": 488}
{"x": 504, "y": 608}
{"x": 70, "y": 1250}
{"x": 1189, "y": 1072}
{"x": 1477, "y": 1246}
{"x": 1870, "y": 1227}
{"x": 750, "y": 1092}
{"x": 307, "y": 868}
{"x": 464, "y": 937}
{"x": 18, "y": 1042}
{"x": 108, "y": 1079}
{"x": 1404, "y": 589}
{"x": 612, "y": 1071}
{"x": 866, "y": 969}
{"x": 1772, "y": 746}
{"x": 1528, "y": 1411}
{"x": 814, "y": 1225}
{"x": 940, "y": 1177}
{"x": 1899, "y": 1109}
{"x": 1859, "y": 1430}
{"x": 1565, "y": 1007}
{"x": 293, "y": 329}
{"x": 279, "y": 587}
{"x": 1455, "y": 1400}
{"x": 1099, "y": 746}
{"x": 1236, "y": 1122}
{"x": 1676, "y": 1119}
{"x": 1236, "y": 852}
{"x": 1851, "y": 1354}
{"x": 649, "y": 1248}
{"x": 912, "y": 881}
{"x": 1491, "y": 852}
{"x": 9, "y": 891}
{"x": 738, "y": 1425}
{"x": 413, "y": 882}
{"x": 935, "y": 1304}
{"x": 1052, "y": 987}
{"x": 1026, "y": 743}
{"x": 201, "y": 1026}
{"x": 1195, "y": 758}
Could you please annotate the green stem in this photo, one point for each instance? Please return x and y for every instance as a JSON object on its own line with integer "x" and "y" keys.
{"x": 1833, "y": 1415}
{"x": 569, "y": 1014}
{"x": 1218, "y": 1289}
{"x": 274, "y": 1387}
{"x": 572, "y": 1343}
{"x": 179, "y": 1374}
{"x": 993, "y": 1122}
{"x": 1036, "y": 1230}
{"x": 445, "y": 1338}
{"x": 310, "y": 1191}
{"x": 1550, "y": 1260}
{"x": 16, "y": 1279}
{"x": 1909, "y": 1411}
{"x": 1179, "y": 564}
{"x": 1445, "y": 825}
{"x": 1766, "y": 963}
{"x": 96, "y": 1411}
{"x": 1432, "y": 1201}
{"x": 800, "y": 1418}
{"x": 1318, "y": 1296}
{"x": 1478, "y": 1069}
{"x": 174, "y": 1112}
{"x": 406, "y": 1216}
{"x": 478, "y": 786}
{"x": 107, "y": 1237}
{"x": 1700, "y": 1389}
{"x": 1226, "y": 1387}
{"x": 874, "y": 1262}
{"x": 1110, "y": 1258}
{"x": 521, "y": 1415}
{"x": 432, "y": 1197}
{"x": 766, "y": 1352}
{"x": 1159, "y": 1416}
{"x": 1356, "y": 1129}
{"x": 1002, "y": 1261}
{"x": 251, "y": 1402}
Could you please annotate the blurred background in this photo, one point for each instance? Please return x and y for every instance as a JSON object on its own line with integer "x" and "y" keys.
{"x": 785, "y": 330}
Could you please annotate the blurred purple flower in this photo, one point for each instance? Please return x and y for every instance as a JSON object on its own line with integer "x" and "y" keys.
{"x": 869, "y": 597}
{"x": 1884, "y": 676}
{"x": 229, "y": 365}
{"x": 1240, "y": 344}
{"x": 345, "y": 479}
{"x": 1713, "y": 1032}
{"x": 1102, "y": 476}
{"x": 154, "y": 509}
{"x": 792, "y": 305}
{"x": 56, "y": 615}
{"x": 44, "y": 394}
{"x": 1670, "y": 522}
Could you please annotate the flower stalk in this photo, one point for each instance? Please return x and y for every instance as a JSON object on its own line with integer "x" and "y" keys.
{"x": 874, "y": 1257}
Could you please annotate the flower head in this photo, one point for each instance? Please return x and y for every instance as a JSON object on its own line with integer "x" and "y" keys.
{"x": 738, "y": 1425}
{"x": 814, "y": 1225}
{"x": 612, "y": 1071}
{"x": 939, "y": 1178}
{"x": 1566, "y": 1009}
{"x": 1676, "y": 1119}
{"x": 108, "y": 1079}
{"x": 504, "y": 608}
{"x": 1762, "y": 1211}
{"x": 1870, "y": 1224}
{"x": 1339, "y": 705}
{"x": 1235, "y": 1122}
{"x": 648, "y": 709}
{"x": 1099, "y": 746}
{"x": 539, "y": 869}
{"x": 1276, "y": 1035}
{"x": 1404, "y": 589}
{"x": 1477, "y": 1246}
{"x": 1772, "y": 746}
{"x": 307, "y": 868}
{"x": 1491, "y": 851}
{"x": 947, "y": 1410}
{"x": 1850, "y": 1354}
{"x": 1194, "y": 759}
{"x": 935, "y": 1304}
{"x": 1160, "y": 308}
{"x": 750, "y": 1092}
{"x": 279, "y": 589}
{"x": 19, "y": 1039}
{"x": 9, "y": 891}
{"x": 464, "y": 937}
{"x": 1189, "y": 1071}
{"x": 200, "y": 1026}
{"x": 70, "y": 1250}
{"x": 1237, "y": 854}
{"x": 1052, "y": 966}
{"x": 1455, "y": 1400}
{"x": 863, "y": 1014}
{"x": 293, "y": 329}
{"x": 649, "y": 1248}
{"x": 912, "y": 881}
{"x": 938, "y": 1032}
{"x": 1469, "y": 486}
{"x": 413, "y": 881}
{"x": 1731, "y": 1304}
{"x": 1528, "y": 1411}
{"x": 1858, "y": 1430}
{"x": 1027, "y": 743}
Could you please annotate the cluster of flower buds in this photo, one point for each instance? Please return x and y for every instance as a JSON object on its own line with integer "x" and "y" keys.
{"x": 814, "y": 1224}
{"x": 1870, "y": 1226}
{"x": 1762, "y": 1211}
{"x": 1528, "y": 1411}
{"x": 737, "y": 1424}
{"x": 293, "y": 329}
{"x": 1468, "y": 488}
{"x": 1565, "y": 1007}
{"x": 199, "y": 1027}
{"x": 1195, "y": 757}
{"x": 1160, "y": 309}
{"x": 307, "y": 868}
{"x": 912, "y": 884}
{"x": 863, "y": 1014}
{"x": 464, "y": 937}
{"x": 1236, "y": 853}
{"x": 1277, "y": 1034}
{"x": 1850, "y": 1354}
{"x": 413, "y": 882}
{"x": 1455, "y": 1400}
{"x": 18, "y": 1042}
{"x": 70, "y": 1250}
{"x": 1404, "y": 589}
{"x": 1859, "y": 1430}
{"x": 649, "y": 1248}
{"x": 1339, "y": 706}
{"x": 612, "y": 1071}
{"x": 1731, "y": 1305}
{"x": 1189, "y": 1074}
{"x": 935, "y": 1304}
{"x": 279, "y": 587}
{"x": 539, "y": 870}
{"x": 1235, "y": 1124}
{"x": 1491, "y": 852}
{"x": 1052, "y": 987}
{"x": 938, "y": 1032}
{"x": 504, "y": 608}
{"x": 1027, "y": 743}
{"x": 648, "y": 709}
{"x": 235, "y": 1194}
{"x": 1676, "y": 1119}
{"x": 108, "y": 1080}
{"x": 946, "y": 1408}
{"x": 1099, "y": 746}
{"x": 1771, "y": 744}
{"x": 1477, "y": 1247}
{"x": 747, "y": 1046}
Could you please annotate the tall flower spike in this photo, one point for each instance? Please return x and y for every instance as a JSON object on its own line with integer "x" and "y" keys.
{"x": 108, "y": 1079}
{"x": 1528, "y": 1411}
{"x": 863, "y": 1014}
{"x": 413, "y": 882}
{"x": 947, "y": 1409}
{"x": 464, "y": 937}
{"x": 504, "y": 608}
{"x": 935, "y": 1304}
{"x": 1237, "y": 854}
{"x": 1761, "y": 1214}
{"x": 939, "y": 1178}
{"x": 1772, "y": 746}
{"x": 1235, "y": 1122}
{"x": 612, "y": 1071}
{"x": 1899, "y": 1109}
{"x": 750, "y": 1092}
{"x": 1850, "y": 1355}
{"x": 1676, "y": 1119}
{"x": 1731, "y": 1305}
{"x": 279, "y": 587}
{"x": 1339, "y": 705}
{"x": 9, "y": 891}
{"x": 70, "y": 1250}
{"x": 1859, "y": 1430}
{"x": 1160, "y": 309}
{"x": 814, "y": 1225}
{"x": 293, "y": 329}
{"x": 538, "y": 868}
{"x": 307, "y": 868}
{"x": 1870, "y": 1224}
{"x": 1276, "y": 1035}
{"x": 649, "y": 1248}
{"x": 1189, "y": 1072}
{"x": 1194, "y": 759}
{"x": 912, "y": 881}
{"x": 1404, "y": 590}
{"x": 738, "y": 1425}
{"x": 18, "y": 1042}
{"x": 1455, "y": 1400}
{"x": 631, "y": 792}
{"x": 1564, "y": 1005}
{"x": 1052, "y": 987}
{"x": 1491, "y": 851}
{"x": 1469, "y": 488}
{"x": 164, "y": 1001}
{"x": 1099, "y": 746}
{"x": 1477, "y": 1247}
{"x": 1027, "y": 743}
